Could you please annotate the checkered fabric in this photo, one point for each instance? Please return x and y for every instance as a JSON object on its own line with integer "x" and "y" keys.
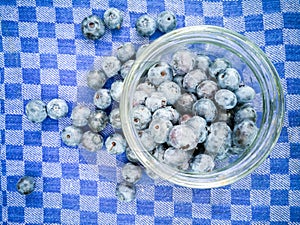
{"x": 43, "y": 55}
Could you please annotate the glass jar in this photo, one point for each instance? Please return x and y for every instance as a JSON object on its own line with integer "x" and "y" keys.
{"x": 256, "y": 71}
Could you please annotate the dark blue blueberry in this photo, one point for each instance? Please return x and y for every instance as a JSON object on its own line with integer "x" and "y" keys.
{"x": 166, "y": 21}
{"x": 92, "y": 27}
{"x": 26, "y": 185}
{"x": 145, "y": 26}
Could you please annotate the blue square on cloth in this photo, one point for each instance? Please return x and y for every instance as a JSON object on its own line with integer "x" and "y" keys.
{"x": 31, "y": 76}
{"x": 51, "y": 184}
{"x": 1, "y": 75}
{"x": 1, "y": 106}
{"x": 14, "y": 152}
{"x": 280, "y": 68}
{"x": 50, "y": 125}
{"x": 254, "y": 23}
{"x": 13, "y": 91}
{"x": 102, "y": 47}
{"x": 27, "y": 14}
{"x": 163, "y": 220}
{"x": 183, "y": 209}
{"x": 15, "y": 214}
{"x": 145, "y": 207}
{"x": 121, "y": 5}
{"x": 11, "y": 183}
{"x": 294, "y": 86}
{"x": 271, "y": 6}
{"x": 240, "y": 197}
{"x": 221, "y": 212}
{"x": 294, "y": 182}
{"x": 295, "y": 213}
{"x": 46, "y": 30}
{"x": 197, "y": 221}
{"x": 34, "y": 200}
{"x": 30, "y": 45}
{"x": 33, "y": 138}
{"x": 279, "y": 166}
{"x": 292, "y": 52}
{"x": 291, "y": 20}
{"x": 201, "y": 196}
{"x": 232, "y": 8}
{"x": 50, "y": 154}
{"x": 1, "y": 44}
{"x": 155, "y": 7}
{"x": 64, "y": 15}
{"x": 294, "y": 150}
{"x": 78, "y": 33}
{"x": 274, "y": 37}
{"x": 12, "y": 60}
{"x": 49, "y": 92}
{"x": 3, "y": 167}
{"x": 88, "y": 187}
{"x": 294, "y": 118}
{"x": 279, "y": 197}
{"x": 81, "y": 3}
{"x": 193, "y": 8}
{"x": 70, "y": 170}
{"x": 260, "y": 182}
{"x": 84, "y": 62}
{"x": 125, "y": 219}
{"x": 120, "y": 35}
{"x": 48, "y": 3}
{"x": 33, "y": 169}
{"x": 52, "y": 215}
{"x": 235, "y": 222}
{"x": 260, "y": 213}
{"x": 108, "y": 205}
{"x": 163, "y": 193}
{"x": 216, "y": 21}
{"x": 66, "y": 46}
{"x": 48, "y": 61}
{"x": 88, "y": 217}
{"x": 11, "y": 2}
{"x": 13, "y": 122}
{"x": 70, "y": 201}
{"x": 67, "y": 77}
{"x": 10, "y": 28}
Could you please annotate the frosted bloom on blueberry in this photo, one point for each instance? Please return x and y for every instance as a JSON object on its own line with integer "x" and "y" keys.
{"x": 57, "y": 108}
{"x": 159, "y": 73}
{"x": 202, "y": 163}
{"x": 98, "y": 120}
{"x": 113, "y": 18}
{"x": 126, "y": 52}
{"x": 125, "y": 192}
{"x": 145, "y": 25}
{"x": 171, "y": 90}
{"x": 147, "y": 140}
{"x": 141, "y": 117}
{"x": 160, "y": 129}
{"x": 177, "y": 158}
{"x": 92, "y": 27}
{"x": 203, "y": 62}
{"x": 80, "y": 115}
{"x": 102, "y": 98}
{"x": 183, "y": 61}
{"x": 155, "y": 101}
{"x": 116, "y": 90}
{"x": 218, "y": 67}
{"x": 25, "y": 185}
{"x": 115, "y": 144}
{"x": 230, "y": 79}
{"x": 246, "y": 112}
{"x": 114, "y": 118}
{"x": 207, "y": 89}
{"x": 225, "y": 99}
{"x": 92, "y": 141}
{"x": 199, "y": 126}
{"x": 192, "y": 79}
{"x": 185, "y": 103}
{"x": 245, "y": 94}
{"x": 146, "y": 87}
{"x": 111, "y": 66}
{"x": 206, "y": 109}
{"x": 166, "y": 21}
{"x": 183, "y": 137}
{"x": 71, "y": 135}
{"x": 131, "y": 173}
{"x": 244, "y": 133}
{"x": 167, "y": 113}
{"x": 96, "y": 79}
{"x": 36, "y": 111}
{"x": 126, "y": 67}
{"x": 139, "y": 98}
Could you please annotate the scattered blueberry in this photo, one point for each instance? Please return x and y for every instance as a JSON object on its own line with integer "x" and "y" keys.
{"x": 96, "y": 79}
{"x": 26, "y": 185}
{"x": 131, "y": 173}
{"x": 126, "y": 52}
{"x": 192, "y": 79}
{"x": 141, "y": 116}
{"x": 171, "y": 90}
{"x": 92, "y": 141}
{"x": 155, "y": 101}
{"x": 225, "y": 99}
{"x": 71, "y": 135}
{"x": 159, "y": 73}
{"x": 98, "y": 120}
{"x": 113, "y": 18}
{"x": 111, "y": 66}
{"x": 115, "y": 144}
{"x": 57, "y": 108}
{"x": 183, "y": 137}
{"x": 145, "y": 25}
{"x": 80, "y": 115}
{"x": 36, "y": 111}
{"x": 207, "y": 89}
{"x": 230, "y": 79}
{"x": 92, "y": 27}
{"x": 202, "y": 163}
{"x": 125, "y": 192}
{"x": 102, "y": 98}
{"x": 160, "y": 129}
{"x": 166, "y": 21}
{"x": 245, "y": 94}
{"x": 126, "y": 67}
{"x": 116, "y": 90}
{"x": 206, "y": 109}
{"x": 183, "y": 61}
{"x": 114, "y": 118}
{"x": 244, "y": 133}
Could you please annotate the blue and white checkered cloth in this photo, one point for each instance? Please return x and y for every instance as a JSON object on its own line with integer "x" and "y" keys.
{"x": 43, "y": 55}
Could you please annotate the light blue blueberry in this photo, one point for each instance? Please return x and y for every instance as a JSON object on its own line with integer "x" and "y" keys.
{"x": 167, "y": 113}
{"x": 207, "y": 89}
{"x": 206, "y": 109}
{"x": 71, "y": 135}
{"x": 155, "y": 101}
{"x": 126, "y": 67}
{"x": 80, "y": 115}
{"x": 183, "y": 61}
{"x": 35, "y": 111}
{"x": 26, "y": 185}
{"x": 98, "y": 120}
{"x": 185, "y": 103}
{"x": 166, "y": 21}
{"x": 171, "y": 90}
{"x": 146, "y": 87}
{"x": 113, "y": 18}
{"x": 131, "y": 156}
{"x": 110, "y": 66}
{"x": 145, "y": 25}
{"x": 92, "y": 27}
{"x": 125, "y": 192}
{"x": 115, "y": 144}
{"x": 246, "y": 112}
{"x": 192, "y": 79}
{"x": 225, "y": 99}
{"x": 177, "y": 158}
{"x": 159, "y": 73}
{"x": 57, "y": 108}
{"x": 96, "y": 79}
{"x": 115, "y": 119}
{"x": 202, "y": 163}
{"x": 244, "y": 133}
{"x": 141, "y": 117}
{"x": 116, "y": 90}
{"x": 199, "y": 125}
{"x": 139, "y": 98}
{"x": 92, "y": 141}
{"x": 160, "y": 129}
{"x": 131, "y": 173}
{"x": 230, "y": 79}
{"x": 147, "y": 140}
{"x": 102, "y": 99}
{"x": 245, "y": 94}
{"x": 203, "y": 63}
{"x": 218, "y": 66}
{"x": 126, "y": 52}
{"x": 183, "y": 137}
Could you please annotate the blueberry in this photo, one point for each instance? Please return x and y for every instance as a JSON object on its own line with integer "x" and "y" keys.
{"x": 218, "y": 67}
{"x": 116, "y": 90}
{"x": 245, "y": 94}
{"x": 177, "y": 158}
{"x": 114, "y": 118}
{"x": 126, "y": 52}
{"x": 147, "y": 140}
{"x": 115, "y": 144}
{"x": 207, "y": 89}
{"x": 140, "y": 50}
{"x": 206, "y": 109}
{"x": 36, "y": 111}
{"x": 139, "y": 98}
{"x": 185, "y": 103}
{"x": 92, "y": 27}
{"x": 178, "y": 79}
{"x": 244, "y": 133}
{"x": 246, "y": 112}
{"x": 225, "y": 99}
{"x": 192, "y": 79}
{"x": 98, "y": 120}
{"x": 203, "y": 63}
{"x": 155, "y": 101}
{"x": 126, "y": 67}
{"x": 167, "y": 113}
{"x": 146, "y": 87}
{"x": 183, "y": 137}
{"x": 159, "y": 73}
{"x": 96, "y": 79}
{"x": 57, "y": 108}
{"x": 160, "y": 129}
{"x": 102, "y": 99}
{"x": 111, "y": 66}
{"x": 171, "y": 90}
{"x": 141, "y": 117}
{"x": 230, "y": 79}
{"x": 131, "y": 173}
{"x": 131, "y": 156}
{"x": 71, "y": 135}
{"x": 184, "y": 118}
{"x": 145, "y": 25}
{"x": 125, "y": 192}
{"x": 199, "y": 126}
{"x": 166, "y": 21}
{"x": 92, "y": 141}
{"x": 80, "y": 115}
{"x": 113, "y": 18}
{"x": 183, "y": 61}
{"x": 26, "y": 185}
{"x": 202, "y": 163}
